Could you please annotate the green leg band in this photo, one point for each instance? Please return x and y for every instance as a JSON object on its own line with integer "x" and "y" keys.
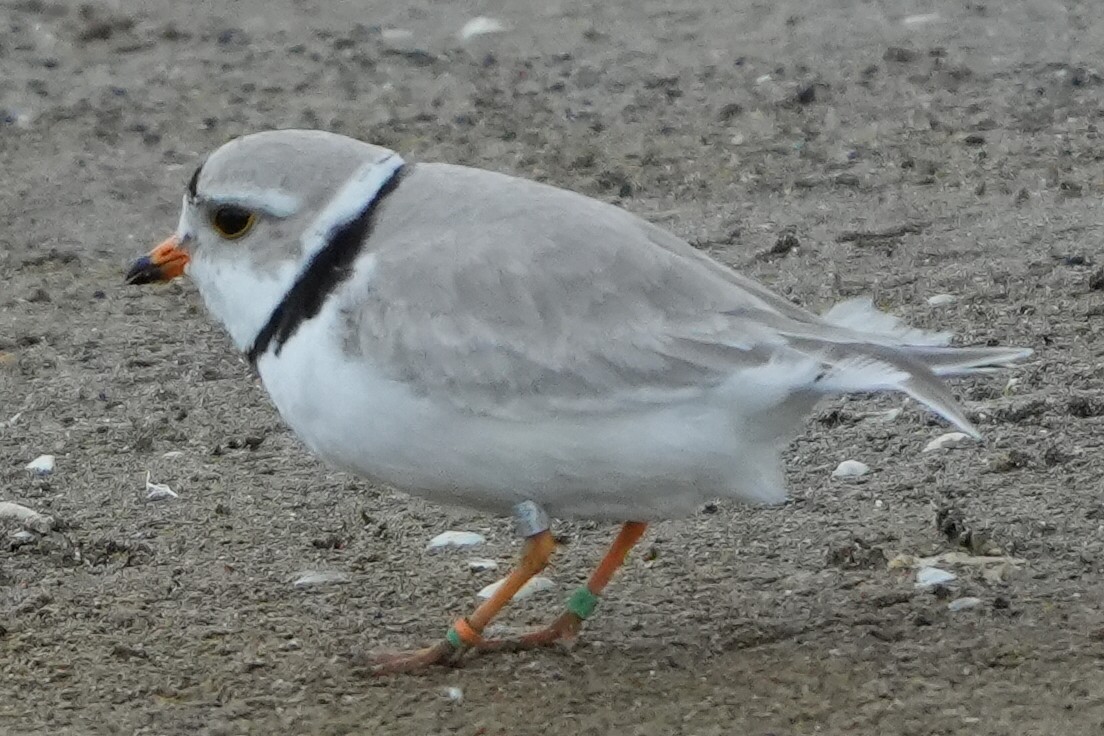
{"x": 582, "y": 603}
{"x": 453, "y": 638}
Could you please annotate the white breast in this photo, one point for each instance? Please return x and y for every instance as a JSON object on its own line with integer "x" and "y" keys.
{"x": 659, "y": 463}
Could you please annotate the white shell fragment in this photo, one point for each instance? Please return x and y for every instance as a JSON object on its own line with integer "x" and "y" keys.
{"x": 309, "y": 578}
{"x": 942, "y": 300}
{"x": 920, "y": 20}
{"x": 22, "y": 538}
{"x": 394, "y": 35}
{"x": 481, "y": 26}
{"x": 482, "y": 565}
{"x": 948, "y": 441}
{"x": 889, "y": 415}
{"x": 535, "y": 585}
{"x": 963, "y": 604}
{"x": 29, "y": 518}
{"x": 926, "y": 577}
{"x": 456, "y": 539}
{"x": 454, "y": 694}
{"x": 158, "y": 491}
{"x": 41, "y": 465}
{"x": 850, "y": 469}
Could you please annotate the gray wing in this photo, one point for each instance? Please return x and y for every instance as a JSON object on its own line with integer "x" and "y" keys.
{"x": 509, "y": 297}
{"x": 503, "y": 294}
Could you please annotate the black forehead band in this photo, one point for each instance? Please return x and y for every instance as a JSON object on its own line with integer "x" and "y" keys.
{"x": 193, "y": 183}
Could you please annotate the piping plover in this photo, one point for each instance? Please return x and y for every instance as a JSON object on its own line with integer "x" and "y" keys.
{"x": 488, "y": 341}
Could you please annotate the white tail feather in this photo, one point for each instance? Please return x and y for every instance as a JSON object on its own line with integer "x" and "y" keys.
{"x": 860, "y": 314}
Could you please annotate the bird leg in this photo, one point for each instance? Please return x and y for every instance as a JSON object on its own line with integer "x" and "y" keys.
{"x": 466, "y": 633}
{"x": 582, "y": 602}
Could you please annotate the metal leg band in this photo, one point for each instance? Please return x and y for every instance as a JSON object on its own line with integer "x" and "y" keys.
{"x": 530, "y": 519}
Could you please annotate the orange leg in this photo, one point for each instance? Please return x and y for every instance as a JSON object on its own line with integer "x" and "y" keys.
{"x": 583, "y": 601}
{"x": 466, "y": 633}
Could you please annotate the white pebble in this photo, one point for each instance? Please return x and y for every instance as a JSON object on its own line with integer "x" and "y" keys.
{"x": 158, "y": 491}
{"x": 396, "y": 34}
{"x": 948, "y": 441}
{"x": 963, "y": 604}
{"x": 941, "y": 300}
{"x": 929, "y": 576}
{"x": 41, "y": 465}
{"x": 455, "y": 539}
{"x": 481, "y": 26}
{"x": 23, "y": 537}
{"x": 850, "y": 469}
{"x": 919, "y": 20}
{"x": 889, "y": 415}
{"x": 307, "y": 578}
{"x": 534, "y": 585}
{"x": 29, "y": 518}
{"x": 454, "y": 694}
{"x": 482, "y": 565}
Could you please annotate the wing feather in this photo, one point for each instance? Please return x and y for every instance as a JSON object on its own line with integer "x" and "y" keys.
{"x": 511, "y": 298}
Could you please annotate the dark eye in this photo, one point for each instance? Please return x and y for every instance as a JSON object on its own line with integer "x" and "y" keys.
{"x": 232, "y": 222}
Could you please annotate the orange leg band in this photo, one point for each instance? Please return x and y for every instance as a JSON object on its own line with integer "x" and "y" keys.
{"x": 538, "y": 549}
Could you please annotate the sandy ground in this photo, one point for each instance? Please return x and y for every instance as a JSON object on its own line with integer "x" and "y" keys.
{"x": 907, "y": 149}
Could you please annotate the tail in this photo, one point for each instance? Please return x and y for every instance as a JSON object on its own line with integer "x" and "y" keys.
{"x": 946, "y": 361}
{"x": 881, "y": 353}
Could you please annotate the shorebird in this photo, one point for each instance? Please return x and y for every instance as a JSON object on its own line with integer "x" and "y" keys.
{"x": 488, "y": 341}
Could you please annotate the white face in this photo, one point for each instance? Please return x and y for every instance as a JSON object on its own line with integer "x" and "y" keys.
{"x": 256, "y": 214}
{"x": 240, "y": 257}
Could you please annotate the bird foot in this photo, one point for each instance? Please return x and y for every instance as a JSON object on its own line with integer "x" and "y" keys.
{"x": 563, "y": 629}
{"x": 418, "y": 660}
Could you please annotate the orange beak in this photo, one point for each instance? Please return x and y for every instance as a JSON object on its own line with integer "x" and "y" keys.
{"x": 164, "y": 263}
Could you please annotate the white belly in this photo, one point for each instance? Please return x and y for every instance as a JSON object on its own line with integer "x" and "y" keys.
{"x": 658, "y": 463}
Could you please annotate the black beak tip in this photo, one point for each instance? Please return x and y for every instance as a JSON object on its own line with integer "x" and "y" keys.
{"x": 143, "y": 272}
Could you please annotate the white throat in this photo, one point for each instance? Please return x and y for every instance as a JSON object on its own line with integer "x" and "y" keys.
{"x": 242, "y": 296}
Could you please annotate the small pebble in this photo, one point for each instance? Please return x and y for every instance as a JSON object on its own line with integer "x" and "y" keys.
{"x": 535, "y": 585}
{"x": 394, "y": 35}
{"x": 850, "y": 469}
{"x": 963, "y": 604}
{"x": 481, "y": 26}
{"x": 481, "y": 565}
{"x": 456, "y": 539}
{"x": 889, "y": 415}
{"x": 927, "y": 577}
{"x": 41, "y": 465}
{"x": 309, "y": 578}
{"x": 948, "y": 441}
{"x": 21, "y": 538}
{"x": 454, "y": 694}
{"x": 920, "y": 20}
{"x": 940, "y": 300}
{"x": 29, "y": 518}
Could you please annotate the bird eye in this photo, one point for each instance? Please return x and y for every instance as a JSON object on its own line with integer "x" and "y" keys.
{"x": 232, "y": 222}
